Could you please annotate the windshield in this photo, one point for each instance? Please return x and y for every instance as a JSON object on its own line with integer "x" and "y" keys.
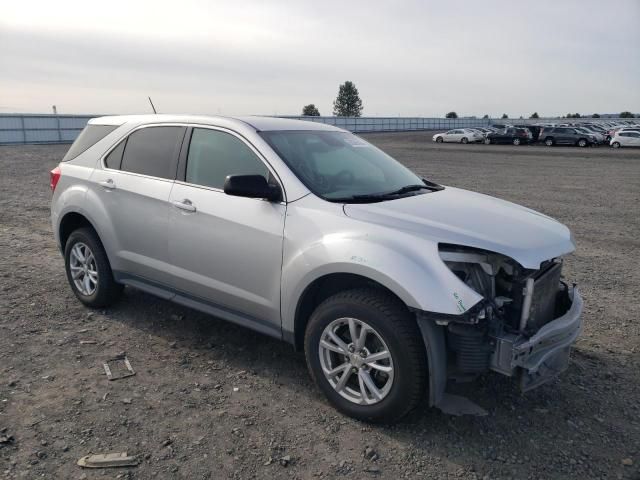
{"x": 339, "y": 166}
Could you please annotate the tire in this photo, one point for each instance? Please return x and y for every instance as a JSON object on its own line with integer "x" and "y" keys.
{"x": 487, "y": 141}
{"x": 393, "y": 329}
{"x": 616, "y": 145}
{"x": 582, "y": 143}
{"x": 549, "y": 142}
{"x": 516, "y": 141}
{"x": 465, "y": 140}
{"x": 100, "y": 290}
{"x": 439, "y": 140}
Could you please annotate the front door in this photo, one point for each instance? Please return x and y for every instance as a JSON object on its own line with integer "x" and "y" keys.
{"x": 226, "y": 250}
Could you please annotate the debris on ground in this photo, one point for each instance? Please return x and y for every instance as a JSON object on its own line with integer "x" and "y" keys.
{"x": 107, "y": 460}
{"x": 119, "y": 361}
{"x": 370, "y": 454}
{"x": 5, "y": 439}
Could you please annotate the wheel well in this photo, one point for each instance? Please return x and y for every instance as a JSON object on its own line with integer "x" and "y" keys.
{"x": 321, "y": 289}
{"x": 69, "y": 223}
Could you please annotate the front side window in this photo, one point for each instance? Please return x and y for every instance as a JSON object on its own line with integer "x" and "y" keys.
{"x": 213, "y": 155}
{"x": 339, "y": 166}
{"x": 153, "y": 151}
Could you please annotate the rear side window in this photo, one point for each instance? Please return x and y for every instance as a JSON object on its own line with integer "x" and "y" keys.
{"x": 91, "y": 135}
{"x": 153, "y": 151}
{"x": 213, "y": 155}
{"x": 114, "y": 159}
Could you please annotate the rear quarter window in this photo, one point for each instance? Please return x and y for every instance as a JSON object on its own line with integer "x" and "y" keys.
{"x": 91, "y": 135}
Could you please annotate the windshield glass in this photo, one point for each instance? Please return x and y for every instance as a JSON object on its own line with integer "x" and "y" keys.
{"x": 338, "y": 165}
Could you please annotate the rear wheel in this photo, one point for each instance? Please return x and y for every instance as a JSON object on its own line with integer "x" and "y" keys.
{"x": 516, "y": 141}
{"x": 365, "y": 352}
{"x": 464, "y": 140}
{"x": 616, "y": 145}
{"x": 487, "y": 141}
{"x": 549, "y": 142}
{"x": 88, "y": 270}
{"x": 439, "y": 140}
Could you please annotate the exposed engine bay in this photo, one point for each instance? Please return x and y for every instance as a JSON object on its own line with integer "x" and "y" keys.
{"x": 518, "y": 303}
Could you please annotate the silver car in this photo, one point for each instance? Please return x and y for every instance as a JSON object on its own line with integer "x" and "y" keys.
{"x": 391, "y": 284}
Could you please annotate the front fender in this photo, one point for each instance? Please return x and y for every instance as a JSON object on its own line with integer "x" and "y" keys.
{"x": 411, "y": 269}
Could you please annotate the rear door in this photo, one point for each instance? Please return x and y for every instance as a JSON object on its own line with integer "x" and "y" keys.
{"x": 569, "y": 136}
{"x": 226, "y": 250}
{"x": 134, "y": 185}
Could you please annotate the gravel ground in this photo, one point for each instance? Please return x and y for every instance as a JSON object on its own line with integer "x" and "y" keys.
{"x": 213, "y": 400}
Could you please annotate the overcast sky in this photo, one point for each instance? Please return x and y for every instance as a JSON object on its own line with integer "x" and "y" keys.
{"x": 414, "y": 58}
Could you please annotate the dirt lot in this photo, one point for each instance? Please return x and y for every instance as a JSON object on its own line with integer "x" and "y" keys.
{"x": 212, "y": 400}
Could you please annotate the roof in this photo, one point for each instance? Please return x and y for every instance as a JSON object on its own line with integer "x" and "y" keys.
{"x": 258, "y": 123}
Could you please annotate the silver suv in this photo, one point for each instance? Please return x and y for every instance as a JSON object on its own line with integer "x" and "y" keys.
{"x": 391, "y": 284}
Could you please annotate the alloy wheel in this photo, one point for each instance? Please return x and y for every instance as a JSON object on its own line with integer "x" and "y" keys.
{"x": 356, "y": 361}
{"x": 84, "y": 270}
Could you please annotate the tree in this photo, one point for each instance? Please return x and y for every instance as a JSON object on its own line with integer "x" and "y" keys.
{"x": 310, "y": 111}
{"x": 626, "y": 115}
{"x": 534, "y": 115}
{"x": 573, "y": 115}
{"x": 595, "y": 115}
{"x": 348, "y": 102}
{"x": 504, "y": 115}
{"x": 485, "y": 116}
{"x": 451, "y": 115}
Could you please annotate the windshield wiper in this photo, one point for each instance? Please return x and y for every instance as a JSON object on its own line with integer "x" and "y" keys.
{"x": 379, "y": 197}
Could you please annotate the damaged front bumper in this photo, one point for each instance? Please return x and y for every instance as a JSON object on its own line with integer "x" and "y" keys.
{"x": 541, "y": 357}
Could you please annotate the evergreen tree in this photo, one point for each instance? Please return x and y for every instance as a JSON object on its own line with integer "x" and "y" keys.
{"x": 348, "y": 102}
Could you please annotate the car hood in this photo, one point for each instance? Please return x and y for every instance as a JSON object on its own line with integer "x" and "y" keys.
{"x": 471, "y": 219}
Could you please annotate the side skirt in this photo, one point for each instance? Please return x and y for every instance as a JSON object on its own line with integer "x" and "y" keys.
{"x": 197, "y": 303}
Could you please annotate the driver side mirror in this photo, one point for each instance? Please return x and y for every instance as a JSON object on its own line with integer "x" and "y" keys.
{"x": 251, "y": 186}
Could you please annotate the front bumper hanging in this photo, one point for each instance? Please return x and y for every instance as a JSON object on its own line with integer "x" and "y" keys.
{"x": 541, "y": 357}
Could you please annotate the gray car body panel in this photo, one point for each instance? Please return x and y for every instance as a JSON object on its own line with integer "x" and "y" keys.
{"x": 394, "y": 243}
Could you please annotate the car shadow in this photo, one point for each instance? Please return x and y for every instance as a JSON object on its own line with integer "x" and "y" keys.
{"x": 516, "y": 423}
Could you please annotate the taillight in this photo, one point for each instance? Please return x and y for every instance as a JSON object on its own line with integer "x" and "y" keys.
{"x": 55, "y": 176}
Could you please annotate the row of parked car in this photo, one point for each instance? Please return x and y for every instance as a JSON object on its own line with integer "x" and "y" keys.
{"x": 626, "y": 134}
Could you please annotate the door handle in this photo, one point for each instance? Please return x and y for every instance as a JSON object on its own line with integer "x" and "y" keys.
{"x": 185, "y": 205}
{"x": 108, "y": 184}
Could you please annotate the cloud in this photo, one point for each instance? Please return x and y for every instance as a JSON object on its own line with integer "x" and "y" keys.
{"x": 410, "y": 58}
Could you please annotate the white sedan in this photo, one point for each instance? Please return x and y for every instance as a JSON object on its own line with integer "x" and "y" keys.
{"x": 462, "y": 135}
{"x": 626, "y": 138}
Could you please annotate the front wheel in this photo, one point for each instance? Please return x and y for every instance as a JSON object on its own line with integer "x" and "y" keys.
{"x": 549, "y": 142}
{"x": 364, "y": 350}
{"x": 582, "y": 143}
{"x": 516, "y": 141}
{"x": 487, "y": 141}
{"x": 88, "y": 270}
{"x": 464, "y": 140}
{"x": 616, "y": 145}
{"x": 439, "y": 140}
